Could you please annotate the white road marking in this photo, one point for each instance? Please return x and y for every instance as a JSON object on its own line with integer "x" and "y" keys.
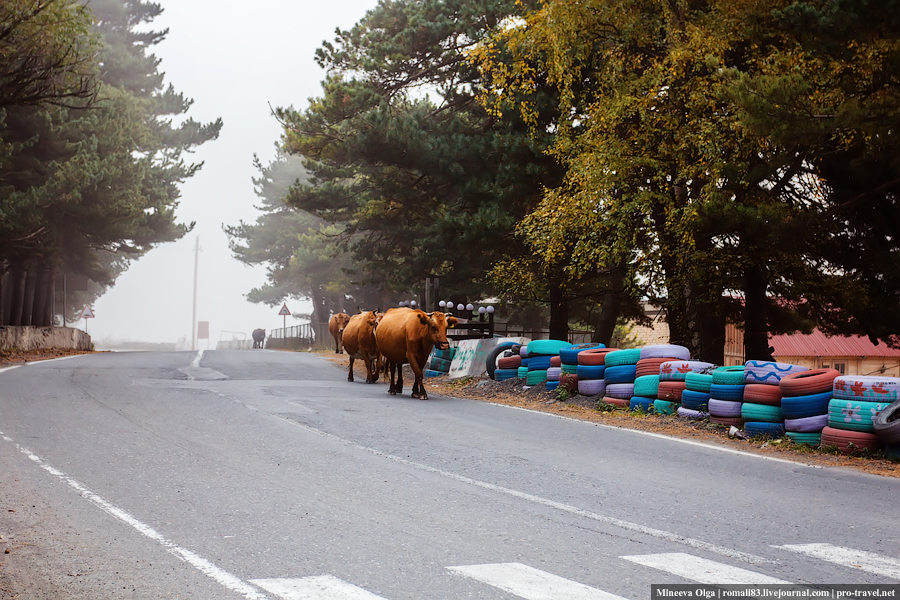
{"x": 666, "y": 437}
{"x": 657, "y": 533}
{"x": 222, "y": 577}
{"x": 10, "y": 368}
{"x": 848, "y": 557}
{"x": 701, "y": 570}
{"x": 532, "y": 584}
{"x": 322, "y": 587}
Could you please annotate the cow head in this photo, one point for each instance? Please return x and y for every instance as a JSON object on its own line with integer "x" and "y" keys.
{"x": 341, "y": 319}
{"x": 437, "y": 324}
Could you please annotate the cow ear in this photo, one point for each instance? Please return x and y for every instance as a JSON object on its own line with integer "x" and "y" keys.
{"x": 452, "y": 321}
{"x": 423, "y": 318}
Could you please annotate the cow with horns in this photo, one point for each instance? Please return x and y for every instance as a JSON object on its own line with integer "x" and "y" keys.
{"x": 405, "y": 335}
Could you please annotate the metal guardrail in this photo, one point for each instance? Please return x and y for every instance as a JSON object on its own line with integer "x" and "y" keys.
{"x": 295, "y": 337}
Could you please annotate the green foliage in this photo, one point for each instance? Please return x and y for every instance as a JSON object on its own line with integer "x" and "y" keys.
{"x": 85, "y": 191}
{"x": 301, "y": 252}
{"x": 563, "y": 394}
{"x": 423, "y": 181}
{"x": 703, "y": 145}
{"x": 47, "y": 53}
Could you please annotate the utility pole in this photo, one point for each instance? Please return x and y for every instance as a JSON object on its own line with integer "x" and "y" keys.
{"x": 194, "y": 317}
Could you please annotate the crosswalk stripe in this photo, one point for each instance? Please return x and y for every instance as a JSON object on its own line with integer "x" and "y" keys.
{"x": 848, "y": 557}
{"x": 701, "y": 570}
{"x": 321, "y": 587}
{"x": 530, "y": 583}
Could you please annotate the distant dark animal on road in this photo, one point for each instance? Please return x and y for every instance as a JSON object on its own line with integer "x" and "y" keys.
{"x": 259, "y": 335}
{"x": 336, "y": 328}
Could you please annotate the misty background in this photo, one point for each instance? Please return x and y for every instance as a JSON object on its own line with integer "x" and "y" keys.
{"x": 235, "y": 59}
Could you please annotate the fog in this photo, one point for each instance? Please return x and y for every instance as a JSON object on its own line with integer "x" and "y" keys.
{"x": 234, "y": 58}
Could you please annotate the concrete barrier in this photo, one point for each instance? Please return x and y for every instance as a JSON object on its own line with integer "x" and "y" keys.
{"x": 27, "y": 339}
{"x": 471, "y": 355}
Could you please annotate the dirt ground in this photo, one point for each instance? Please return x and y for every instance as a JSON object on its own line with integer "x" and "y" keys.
{"x": 8, "y": 358}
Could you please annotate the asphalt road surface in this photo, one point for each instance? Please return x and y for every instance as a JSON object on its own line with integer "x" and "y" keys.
{"x": 264, "y": 474}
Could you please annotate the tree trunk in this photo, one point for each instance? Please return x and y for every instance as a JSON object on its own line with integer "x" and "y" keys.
{"x": 605, "y": 325}
{"x": 42, "y": 301}
{"x": 28, "y": 300}
{"x": 559, "y": 313}
{"x": 4, "y": 294}
{"x": 17, "y": 294}
{"x": 756, "y": 325}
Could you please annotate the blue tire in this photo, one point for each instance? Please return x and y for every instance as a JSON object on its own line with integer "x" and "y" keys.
{"x": 721, "y": 391}
{"x": 772, "y": 430}
{"x": 590, "y": 372}
{"x": 800, "y": 407}
{"x": 539, "y": 362}
{"x": 620, "y": 373}
{"x": 641, "y": 402}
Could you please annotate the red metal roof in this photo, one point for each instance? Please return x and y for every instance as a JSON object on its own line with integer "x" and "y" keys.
{"x": 817, "y": 344}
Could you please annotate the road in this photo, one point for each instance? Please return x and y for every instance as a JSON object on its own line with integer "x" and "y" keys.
{"x": 265, "y": 474}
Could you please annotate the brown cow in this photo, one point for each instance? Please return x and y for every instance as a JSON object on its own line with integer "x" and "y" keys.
{"x": 405, "y": 336}
{"x": 359, "y": 341}
{"x": 336, "y": 328}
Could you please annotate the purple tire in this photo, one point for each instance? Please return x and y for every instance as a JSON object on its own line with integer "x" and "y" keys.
{"x": 724, "y": 408}
{"x": 672, "y": 351}
{"x": 806, "y": 424}
{"x": 623, "y": 391}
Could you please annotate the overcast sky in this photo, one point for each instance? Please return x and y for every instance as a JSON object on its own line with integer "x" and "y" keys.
{"x": 234, "y": 58}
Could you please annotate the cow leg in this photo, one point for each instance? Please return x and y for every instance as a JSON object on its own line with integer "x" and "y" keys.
{"x": 350, "y": 375}
{"x": 392, "y": 389}
{"x": 418, "y": 390}
{"x": 398, "y": 388}
{"x": 371, "y": 373}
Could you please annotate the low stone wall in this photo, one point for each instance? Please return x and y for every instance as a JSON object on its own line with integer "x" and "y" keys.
{"x": 43, "y": 338}
{"x": 234, "y": 345}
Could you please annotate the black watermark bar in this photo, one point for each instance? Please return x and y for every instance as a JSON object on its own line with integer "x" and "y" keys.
{"x": 775, "y": 592}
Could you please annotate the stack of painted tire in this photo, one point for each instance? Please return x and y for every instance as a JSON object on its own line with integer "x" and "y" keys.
{"x": 569, "y": 356}
{"x": 439, "y": 362}
{"x": 539, "y": 354}
{"x": 764, "y": 398}
{"x": 723, "y": 398}
{"x": 763, "y": 388}
{"x": 672, "y": 374}
{"x": 731, "y": 408}
{"x": 646, "y": 382}
{"x": 591, "y": 369}
{"x": 507, "y": 367}
{"x": 619, "y": 374}
{"x": 696, "y": 392}
{"x": 553, "y": 373}
{"x": 522, "y": 370}
{"x": 805, "y": 396}
{"x": 856, "y": 402}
